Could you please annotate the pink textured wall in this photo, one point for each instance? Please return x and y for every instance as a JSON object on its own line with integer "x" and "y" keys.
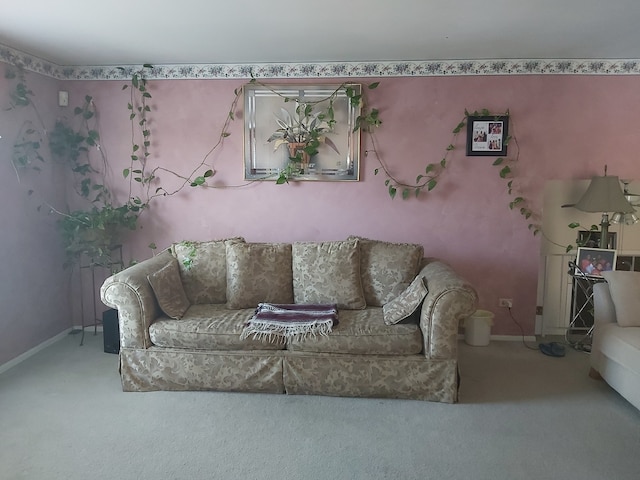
{"x": 33, "y": 287}
{"x": 567, "y": 127}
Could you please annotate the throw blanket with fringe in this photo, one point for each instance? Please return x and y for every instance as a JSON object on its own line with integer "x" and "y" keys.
{"x": 273, "y": 321}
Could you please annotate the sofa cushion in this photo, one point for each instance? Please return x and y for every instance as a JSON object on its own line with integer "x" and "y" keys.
{"x": 208, "y": 327}
{"x": 258, "y": 272}
{"x": 405, "y": 304}
{"x": 167, "y": 286}
{"x": 203, "y": 269}
{"x": 363, "y": 332}
{"x": 384, "y": 264}
{"x": 625, "y": 293}
{"x": 328, "y": 272}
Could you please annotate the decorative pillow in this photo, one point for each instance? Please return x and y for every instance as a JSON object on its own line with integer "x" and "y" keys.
{"x": 167, "y": 286}
{"x": 258, "y": 272}
{"x": 203, "y": 269}
{"x": 383, "y": 265}
{"x": 625, "y": 293}
{"x": 328, "y": 272}
{"x": 405, "y": 304}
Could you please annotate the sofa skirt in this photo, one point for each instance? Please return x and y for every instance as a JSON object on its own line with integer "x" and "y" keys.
{"x": 411, "y": 377}
{"x": 151, "y": 369}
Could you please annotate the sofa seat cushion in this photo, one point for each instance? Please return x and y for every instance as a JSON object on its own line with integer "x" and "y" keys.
{"x": 620, "y": 344}
{"x": 208, "y": 327}
{"x": 363, "y": 332}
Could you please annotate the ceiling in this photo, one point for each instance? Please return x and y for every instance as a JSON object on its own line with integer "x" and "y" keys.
{"x": 131, "y": 32}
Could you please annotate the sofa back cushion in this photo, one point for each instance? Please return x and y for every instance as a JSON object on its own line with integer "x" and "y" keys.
{"x": 384, "y": 265}
{"x": 328, "y": 272}
{"x": 258, "y": 272}
{"x": 203, "y": 269}
{"x": 625, "y": 293}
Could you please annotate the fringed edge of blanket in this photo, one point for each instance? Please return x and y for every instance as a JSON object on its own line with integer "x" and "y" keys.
{"x": 271, "y": 331}
{"x": 295, "y": 320}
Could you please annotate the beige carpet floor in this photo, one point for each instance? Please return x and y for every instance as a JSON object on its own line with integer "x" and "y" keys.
{"x": 521, "y": 415}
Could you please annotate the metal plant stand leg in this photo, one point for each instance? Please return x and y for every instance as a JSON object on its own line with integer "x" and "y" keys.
{"x": 580, "y": 330}
{"x": 118, "y": 263}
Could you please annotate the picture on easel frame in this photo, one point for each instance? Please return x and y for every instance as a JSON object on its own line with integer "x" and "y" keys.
{"x": 593, "y": 261}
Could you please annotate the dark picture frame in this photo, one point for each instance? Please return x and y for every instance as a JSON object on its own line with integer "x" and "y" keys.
{"x": 593, "y": 261}
{"x": 486, "y": 135}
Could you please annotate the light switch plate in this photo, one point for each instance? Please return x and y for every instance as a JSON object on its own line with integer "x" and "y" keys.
{"x": 63, "y": 98}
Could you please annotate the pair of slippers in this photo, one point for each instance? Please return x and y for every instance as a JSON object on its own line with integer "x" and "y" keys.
{"x": 553, "y": 349}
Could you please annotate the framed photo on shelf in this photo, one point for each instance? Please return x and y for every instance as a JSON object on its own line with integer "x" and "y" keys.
{"x": 486, "y": 136}
{"x": 593, "y": 261}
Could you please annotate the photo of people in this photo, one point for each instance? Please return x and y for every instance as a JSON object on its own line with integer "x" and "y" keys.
{"x": 486, "y": 135}
{"x": 594, "y": 261}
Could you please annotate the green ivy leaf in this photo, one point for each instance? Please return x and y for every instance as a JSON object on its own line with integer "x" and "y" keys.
{"x": 443, "y": 162}
{"x": 498, "y": 161}
{"x": 208, "y": 173}
{"x": 459, "y": 127}
{"x": 505, "y": 171}
{"x": 418, "y": 178}
{"x": 432, "y": 184}
{"x": 405, "y": 193}
{"x": 373, "y": 85}
{"x": 375, "y": 172}
{"x": 392, "y": 191}
{"x": 574, "y": 225}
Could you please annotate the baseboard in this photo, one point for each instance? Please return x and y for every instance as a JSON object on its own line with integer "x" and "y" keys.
{"x": 507, "y": 338}
{"x": 514, "y": 338}
{"x": 29, "y": 353}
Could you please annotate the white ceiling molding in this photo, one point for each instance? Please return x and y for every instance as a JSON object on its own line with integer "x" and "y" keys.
{"x": 329, "y": 69}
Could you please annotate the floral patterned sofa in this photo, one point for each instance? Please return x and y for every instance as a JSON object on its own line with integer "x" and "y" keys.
{"x": 183, "y": 311}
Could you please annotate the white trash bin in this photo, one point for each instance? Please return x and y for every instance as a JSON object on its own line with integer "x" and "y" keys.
{"x": 477, "y": 328}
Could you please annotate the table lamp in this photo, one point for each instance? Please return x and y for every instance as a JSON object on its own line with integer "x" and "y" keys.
{"x": 604, "y": 195}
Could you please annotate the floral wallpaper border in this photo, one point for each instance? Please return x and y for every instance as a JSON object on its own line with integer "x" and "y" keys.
{"x": 329, "y": 69}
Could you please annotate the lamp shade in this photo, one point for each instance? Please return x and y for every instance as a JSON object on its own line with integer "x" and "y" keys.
{"x": 604, "y": 195}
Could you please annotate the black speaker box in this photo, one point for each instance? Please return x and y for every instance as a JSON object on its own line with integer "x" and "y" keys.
{"x": 111, "y": 331}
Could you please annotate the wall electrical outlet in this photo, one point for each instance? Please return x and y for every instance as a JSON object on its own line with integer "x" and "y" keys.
{"x": 505, "y": 302}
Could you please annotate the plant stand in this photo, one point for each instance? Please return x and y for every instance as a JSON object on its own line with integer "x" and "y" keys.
{"x": 90, "y": 266}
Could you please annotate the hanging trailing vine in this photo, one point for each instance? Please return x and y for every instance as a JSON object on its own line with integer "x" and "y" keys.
{"x": 429, "y": 178}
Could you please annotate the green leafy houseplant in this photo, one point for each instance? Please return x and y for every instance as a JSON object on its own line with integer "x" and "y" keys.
{"x": 303, "y": 133}
{"x": 96, "y": 230}
{"x": 95, "y": 233}
{"x": 90, "y": 232}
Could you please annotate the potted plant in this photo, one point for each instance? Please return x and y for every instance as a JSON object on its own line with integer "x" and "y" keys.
{"x": 302, "y": 133}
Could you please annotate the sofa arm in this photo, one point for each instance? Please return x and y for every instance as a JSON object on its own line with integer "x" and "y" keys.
{"x": 450, "y": 300}
{"x": 604, "y": 310}
{"x": 129, "y": 291}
